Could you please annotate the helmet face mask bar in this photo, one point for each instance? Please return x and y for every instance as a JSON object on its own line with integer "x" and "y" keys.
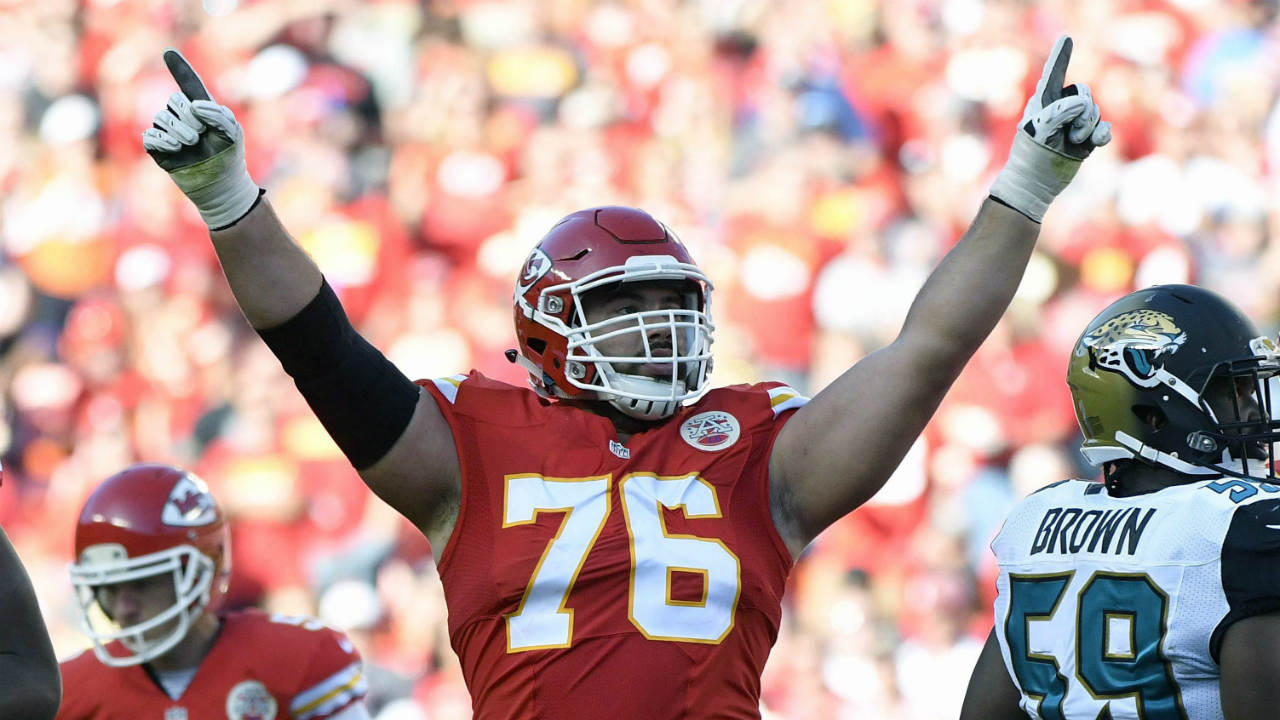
{"x": 152, "y": 525}
{"x": 687, "y": 330}
{"x": 588, "y": 254}
{"x": 1175, "y": 376}
{"x": 1243, "y": 438}
{"x": 190, "y": 571}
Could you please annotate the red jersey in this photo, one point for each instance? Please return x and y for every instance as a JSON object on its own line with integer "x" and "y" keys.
{"x": 588, "y": 579}
{"x": 261, "y": 667}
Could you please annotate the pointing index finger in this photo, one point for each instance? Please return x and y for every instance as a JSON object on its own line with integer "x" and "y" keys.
{"x": 188, "y": 81}
{"x": 1055, "y": 71}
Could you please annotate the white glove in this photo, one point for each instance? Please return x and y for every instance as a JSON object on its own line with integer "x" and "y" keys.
{"x": 201, "y": 145}
{"x": 1059, "y": 129}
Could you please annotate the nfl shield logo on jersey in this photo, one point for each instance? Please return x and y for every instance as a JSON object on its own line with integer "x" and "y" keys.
{"x": 175, "y": 713}
{"x": 711, "y": 431}
{"x": 249, "y": 700}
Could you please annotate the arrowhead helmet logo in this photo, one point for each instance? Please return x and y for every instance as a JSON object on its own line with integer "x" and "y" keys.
{"x": 189, "y": 504}
{"x": 535, "y": 268}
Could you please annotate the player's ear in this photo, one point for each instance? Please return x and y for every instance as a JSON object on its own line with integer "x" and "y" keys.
{"x": 1151, "y": 416}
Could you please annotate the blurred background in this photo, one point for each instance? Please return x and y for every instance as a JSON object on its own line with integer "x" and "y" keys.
{"x": 818, "y": 157}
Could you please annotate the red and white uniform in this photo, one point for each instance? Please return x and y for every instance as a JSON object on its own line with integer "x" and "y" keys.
{"x": 586, "y": 579}
{"x": 261, "y": 667}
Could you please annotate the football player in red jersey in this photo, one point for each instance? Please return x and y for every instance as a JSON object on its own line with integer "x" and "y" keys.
{"x": 152, "y": 563}
{"x": 615, "y": 543}
{"x": 29, "y": 680}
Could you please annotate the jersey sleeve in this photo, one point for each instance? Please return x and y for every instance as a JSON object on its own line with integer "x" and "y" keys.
{"x": 485, "y": 400}
{"x": 78, "y": 687}
{"x": 445, "y": 388}
{"x": 333, "y": 679}
{"x": 1250, "y": 566}
{"x": 765, "y": 422}
{"x": 783, "y": 399}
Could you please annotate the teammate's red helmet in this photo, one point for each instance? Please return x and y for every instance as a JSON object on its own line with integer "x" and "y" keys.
{"x": 144, "y": 521}
{"x": 599, "y": 247}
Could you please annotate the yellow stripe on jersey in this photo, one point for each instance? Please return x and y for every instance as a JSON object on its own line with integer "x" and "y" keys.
{"x": 332, "y": 693}
{"x": 448, "y": 386}
{"x": 783, "y": 398}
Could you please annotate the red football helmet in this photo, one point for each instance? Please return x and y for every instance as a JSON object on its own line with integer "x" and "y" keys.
{"x": 144, "y": 521}
{"x": 605, "y": 246}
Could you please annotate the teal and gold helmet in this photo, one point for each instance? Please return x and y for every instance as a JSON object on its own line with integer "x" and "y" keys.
{"x": 1176, "y": 376}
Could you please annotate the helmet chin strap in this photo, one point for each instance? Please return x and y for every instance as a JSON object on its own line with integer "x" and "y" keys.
{"x": 1227, "y": 465}
{"x": 147, "y": 650}
{"x": 639, "y": 409}
{"x": 644, "y": 409}
{"x": 1243, "y": 468}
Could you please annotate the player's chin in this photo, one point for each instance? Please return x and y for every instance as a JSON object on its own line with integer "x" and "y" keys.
{"x": 160, "y": 632}
{"x": 656, "y": 368}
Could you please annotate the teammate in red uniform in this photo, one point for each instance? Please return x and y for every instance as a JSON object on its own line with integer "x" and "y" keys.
{"x": 152, "y": 562}
{"x": 615, "y": 543}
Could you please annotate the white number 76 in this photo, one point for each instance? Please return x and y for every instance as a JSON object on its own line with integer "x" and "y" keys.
{"x": 542, "y": 620}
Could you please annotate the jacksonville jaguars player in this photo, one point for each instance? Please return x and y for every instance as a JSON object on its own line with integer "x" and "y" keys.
{"x": 30, "y": 686}
{"x": 1155, "y": 594}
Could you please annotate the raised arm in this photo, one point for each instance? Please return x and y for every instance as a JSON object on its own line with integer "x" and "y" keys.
{"x": 30, "y": 685}
{"x": 841, "y": 447}
{"x": 393, "y": 434}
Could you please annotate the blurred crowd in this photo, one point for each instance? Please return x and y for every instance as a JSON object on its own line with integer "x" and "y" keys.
{"x": 818, "y": 157}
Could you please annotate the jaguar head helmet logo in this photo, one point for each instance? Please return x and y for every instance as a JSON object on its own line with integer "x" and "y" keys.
{"x": 1135, "y": 344}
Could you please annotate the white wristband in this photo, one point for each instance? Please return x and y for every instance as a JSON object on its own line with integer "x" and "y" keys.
{"x": 220, "y": 187}
{"x": 1033, "y": 176}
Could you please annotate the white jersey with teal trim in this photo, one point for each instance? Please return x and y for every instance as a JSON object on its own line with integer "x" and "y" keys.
{"x": 1115, "y": 608}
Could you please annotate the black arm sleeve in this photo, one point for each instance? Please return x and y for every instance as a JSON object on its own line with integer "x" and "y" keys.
{"x": 1250, "y": 566}
{"x": 363, "y": 400}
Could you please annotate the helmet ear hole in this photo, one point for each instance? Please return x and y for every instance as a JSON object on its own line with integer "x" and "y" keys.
{"x": 537, "y": 345}
{"x": 1151, "y": 416}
